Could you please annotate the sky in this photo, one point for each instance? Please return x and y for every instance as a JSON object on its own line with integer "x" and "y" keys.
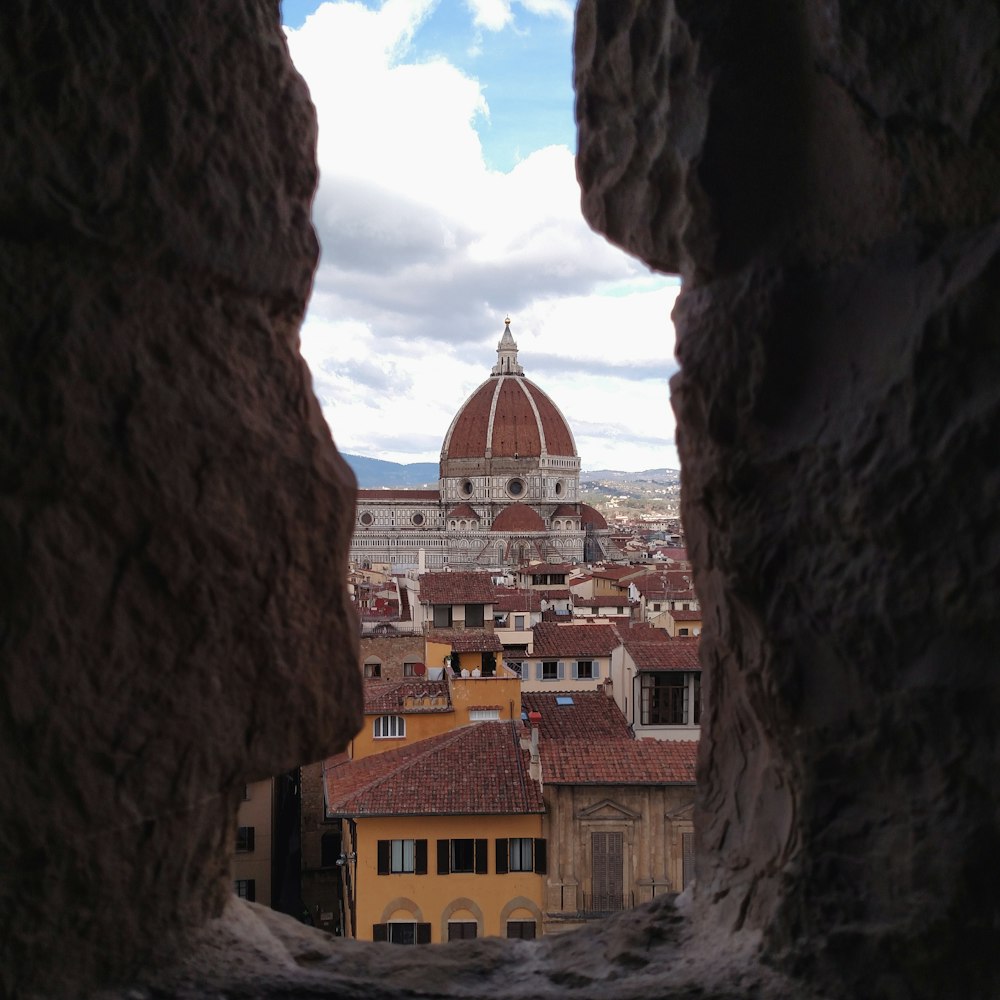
{"x": 447, "y": 201}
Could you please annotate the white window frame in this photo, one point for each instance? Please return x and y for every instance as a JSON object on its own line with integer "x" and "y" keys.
{"x": 589, "y": 675}
{"x": 402, "y": 857}
{"x": 517, "y": 847}
{"x": 484, "y": 714}
{"x": 389, "y": 727}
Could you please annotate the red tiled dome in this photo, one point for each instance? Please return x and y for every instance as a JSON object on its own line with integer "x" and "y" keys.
{"x": 566, "y": 510}
{"x": 588, "y": 515}
{"x": 508, "y": 416}
{"x": 518, "y": 517}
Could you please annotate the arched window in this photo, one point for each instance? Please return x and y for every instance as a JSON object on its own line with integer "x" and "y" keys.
{"x": 373, "y": 667}
{"x": 390, "y": 727}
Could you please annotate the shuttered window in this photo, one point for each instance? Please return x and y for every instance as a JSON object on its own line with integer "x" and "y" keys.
{"x": 402, "y": 932}
{"x": 687, "y": 856}
{"x": 396, "y": 857}
{"x": 607, "y": 871}
{"x": 521, "y": 854}
{"x": 462, "y": 855}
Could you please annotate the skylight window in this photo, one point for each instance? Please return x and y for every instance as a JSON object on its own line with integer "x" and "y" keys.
{"x": 564, "y": 700}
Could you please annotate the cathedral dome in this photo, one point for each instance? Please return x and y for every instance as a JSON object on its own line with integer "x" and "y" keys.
{"x": 508, "y": 416}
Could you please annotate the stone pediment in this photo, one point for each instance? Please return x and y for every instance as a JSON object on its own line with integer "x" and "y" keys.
{"x": 681, "y": 812}
{"x": 607, "y": 809}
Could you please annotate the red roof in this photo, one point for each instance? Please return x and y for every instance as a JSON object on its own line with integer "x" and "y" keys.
{"x": 463, "y": 510}
{"x": 592, "y": 516}
{"x": 607, "y": 601}
{"x": 397, "y": 696}
{"x": 470, "y": 640}
{"x": 619, "y": 762}
{"x": 553, "y": 593}
{"x": 514, "y": 415}
{"x": 456, "y": 588}
{"x": 685, "y": 616}
{"x": 592, "y": 715}
{"x": 546, "y": 569}
{"x": 613, "y": 572}
{"x": 417, "y": 496}
{"x": 518, "y": 517}
{"x": 556, "y": 639}
{"x": 433, "y": 777}
{"x": 652, "y": 651}
{"x": 566, "y": 510}
{"x": 517, "y": 600}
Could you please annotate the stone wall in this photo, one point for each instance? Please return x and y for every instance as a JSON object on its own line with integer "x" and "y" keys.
{"x": 174, "y": 518}
{"x": 820, "y": 174}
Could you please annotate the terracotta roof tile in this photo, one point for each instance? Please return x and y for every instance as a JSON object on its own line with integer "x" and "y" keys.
{"x": 592, "y": 715}
{"x": 518, "y": 517}
{"x": 463, "y": 510}
{"x": 517, "y": 600}
{"x": 619, "y": 762}
{"x": 456, "y": 588}
{"x": 392, "y": 696}
{"x": 556, "y": 639}
{"x": 470, "y": 640}
{"x": 652, "y": 651}
{"x": 685, "y": 616}
{"x": 432, "y": 777}
{"x": 566, "y": 510}
{"x": 541, "y": 569}
{"x": 592, "y": 516}
{"x": 421, "y": 496}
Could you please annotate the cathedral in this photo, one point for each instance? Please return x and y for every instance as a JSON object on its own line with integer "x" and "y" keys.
{"x": 508, "y": 490}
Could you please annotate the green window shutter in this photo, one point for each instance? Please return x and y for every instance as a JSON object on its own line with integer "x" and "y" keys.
{"x": 444, "y": 862}
{"x": 502, "y": 856}
{"x": 420, "y": 857}
{"x": 541, "y": 860}
{"x": 383, "y": 857}
{"x": 380, "y": 932}
{"x": 424, "y": 932}
{"x": 481, "y": 861}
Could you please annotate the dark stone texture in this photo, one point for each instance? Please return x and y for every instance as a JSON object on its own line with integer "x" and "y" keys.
{"x": 823, "y": 177}
{"x": 174, "y": 518}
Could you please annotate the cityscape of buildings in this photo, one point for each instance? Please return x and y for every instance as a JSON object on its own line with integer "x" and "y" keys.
{"x": 532, "y": 700}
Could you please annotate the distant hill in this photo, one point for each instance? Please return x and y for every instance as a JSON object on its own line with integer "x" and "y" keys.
{"x": 374, "y": 473}
{"x": 617, "y": 476}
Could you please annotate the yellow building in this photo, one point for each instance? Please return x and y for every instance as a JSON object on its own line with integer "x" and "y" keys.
{"x": 443, "y": 837}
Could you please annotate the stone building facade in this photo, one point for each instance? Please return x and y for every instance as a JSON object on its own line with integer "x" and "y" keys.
{"x": 508, "y": 493}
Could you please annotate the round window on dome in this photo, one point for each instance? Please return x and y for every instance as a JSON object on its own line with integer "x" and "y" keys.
{"x": 417, "y": 519}
{"x": 466, "y": 488}
{"x": 515, "y": 487}
{"x": 366, "y": 518}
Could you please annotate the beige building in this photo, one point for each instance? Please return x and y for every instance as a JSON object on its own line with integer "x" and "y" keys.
{"x": 618, "y": 811}
{"x": 251, "y": 865}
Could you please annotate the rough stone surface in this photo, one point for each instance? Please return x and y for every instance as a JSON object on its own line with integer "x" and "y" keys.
{"x": 174, "y": 518}
{"x": 823, "y": 177}
{"x": 255, "y": 953}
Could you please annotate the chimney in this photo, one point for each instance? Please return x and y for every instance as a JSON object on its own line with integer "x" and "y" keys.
{"x": 535, "y": 759}
{"x": 609, "y": 687}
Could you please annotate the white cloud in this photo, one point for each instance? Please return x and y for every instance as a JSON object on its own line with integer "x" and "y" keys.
{"x": 495, "y": 15}
{"x": 425, "y": 248}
